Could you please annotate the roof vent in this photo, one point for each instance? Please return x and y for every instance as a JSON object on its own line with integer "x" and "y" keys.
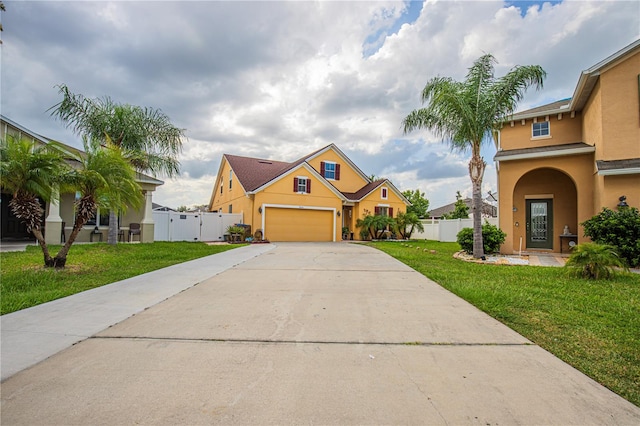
{"x": 265, "y": 162}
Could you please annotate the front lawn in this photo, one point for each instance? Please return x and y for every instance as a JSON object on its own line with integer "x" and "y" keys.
{"x": 592, "y": 325}
{"x": 25, "y": 282}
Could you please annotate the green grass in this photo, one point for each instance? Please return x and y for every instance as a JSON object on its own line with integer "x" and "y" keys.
{"x": 592, "y": 325}
{"x": 25, "y": 282}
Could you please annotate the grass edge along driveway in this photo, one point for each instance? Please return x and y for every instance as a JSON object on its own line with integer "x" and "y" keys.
{"x": 592, "y": 325}
{"x": 25, "y": 282}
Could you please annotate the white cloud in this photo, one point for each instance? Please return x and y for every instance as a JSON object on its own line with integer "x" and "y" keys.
{"x": 281, "y": 79}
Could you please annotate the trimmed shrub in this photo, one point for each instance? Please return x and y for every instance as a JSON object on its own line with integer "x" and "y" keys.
{"x": 620, "y": 229}
{"x": 492, "y": 238}
{"x": 594, "y": 261}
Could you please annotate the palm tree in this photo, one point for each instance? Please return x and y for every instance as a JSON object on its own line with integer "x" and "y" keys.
{"x": 30, "y": 172}
{"x": 104, "y": 178}
{"x": 408, "y": 220}
{"x": 466, "y": 114}
{"x": 146, "y": 136}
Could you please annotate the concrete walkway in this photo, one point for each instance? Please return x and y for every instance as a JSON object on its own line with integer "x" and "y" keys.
{"x": 34, "y": 334}
{"x": 308, "y": 334}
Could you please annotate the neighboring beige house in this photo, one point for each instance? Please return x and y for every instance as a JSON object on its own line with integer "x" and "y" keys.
{"x": 488, "y": 210}
{"x": 560, "y": 164}
{"x": 59, "y": 214}
{"x": 311, "y": 199}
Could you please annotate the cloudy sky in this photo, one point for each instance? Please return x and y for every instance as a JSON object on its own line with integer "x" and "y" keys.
{"x": 279, "y": 80}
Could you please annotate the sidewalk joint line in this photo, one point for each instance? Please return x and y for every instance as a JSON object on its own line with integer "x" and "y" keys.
{"x": 310, "y": 342}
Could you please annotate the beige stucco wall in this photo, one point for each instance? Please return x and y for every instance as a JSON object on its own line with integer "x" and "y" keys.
{"x": 610, "y": 188}
{"x": 592, "y": 122}
{"x": 569, "y": 181}
{"x": 562, "y": 128}
{"x": 621, "y": 117}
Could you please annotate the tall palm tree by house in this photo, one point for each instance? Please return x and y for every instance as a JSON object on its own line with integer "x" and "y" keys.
{"x": 30, "y": 172}
{"x": 146, "y": 136}
{"x": 466, "y": 114}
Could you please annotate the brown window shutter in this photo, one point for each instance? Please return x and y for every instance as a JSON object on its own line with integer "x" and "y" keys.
{"x": 308, "y": 186}
{"x": 295, "y": 184}
{"x": 322, "y": 168}
{"x": 376, "y": 211}
{"x": 337, "y": 171}
{"x": 390, "y": 211}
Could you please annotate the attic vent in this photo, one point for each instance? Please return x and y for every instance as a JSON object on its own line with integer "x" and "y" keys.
{"x": 265, "y": 162}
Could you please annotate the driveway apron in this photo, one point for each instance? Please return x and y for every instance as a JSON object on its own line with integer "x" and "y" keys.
{"x": 310, "y": 333}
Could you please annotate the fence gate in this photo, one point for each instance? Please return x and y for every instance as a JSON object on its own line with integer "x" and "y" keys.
{"x": 192, "y": 226}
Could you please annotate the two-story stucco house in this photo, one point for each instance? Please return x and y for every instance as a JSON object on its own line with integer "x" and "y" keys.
{"x": 310, "y": 199}
{"x": 560, "y": 164}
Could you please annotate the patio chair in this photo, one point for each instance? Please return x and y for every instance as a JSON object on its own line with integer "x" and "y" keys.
{"x": 134, "y": 229}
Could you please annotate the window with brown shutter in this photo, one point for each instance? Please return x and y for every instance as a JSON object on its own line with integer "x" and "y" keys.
{"x": 302, "y": 184}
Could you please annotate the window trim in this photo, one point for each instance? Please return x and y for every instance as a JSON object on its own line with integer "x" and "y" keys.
{"x": 307, "y": 189}
{"x": 541, "y": 136}
{"x": 326, "y": 171}
{"x": 230, "y": 179}
{"x": 384, "y": 193}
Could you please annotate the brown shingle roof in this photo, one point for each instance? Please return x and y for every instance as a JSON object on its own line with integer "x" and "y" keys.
{"x": 541, "y": 110}
{"x": 630, "y": 163}
{"x": 255, "y": 172}
{"x": 355, "y": 196}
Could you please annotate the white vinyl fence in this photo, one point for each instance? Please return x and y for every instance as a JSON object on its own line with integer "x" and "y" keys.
{"x": 446, "y": 230}
{"x": 192, "y": 226}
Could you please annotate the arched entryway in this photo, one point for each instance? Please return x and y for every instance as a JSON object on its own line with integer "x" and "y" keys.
{"x": 545, "y": 204}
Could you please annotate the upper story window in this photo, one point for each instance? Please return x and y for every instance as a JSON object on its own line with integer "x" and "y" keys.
{"x": 230, "y": 208}
{"x": 302, "y": 184}
{"x": 540, "y": 129}
{"x": 221, "y": 186}
{"x": 384, "y": 193}
{"x": 330, "y": 170}
{"x": 230, "y": 178}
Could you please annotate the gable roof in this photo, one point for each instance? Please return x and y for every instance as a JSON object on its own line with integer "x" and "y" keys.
{"x": 256, "y": 173}
{"x": 584, "y": 88}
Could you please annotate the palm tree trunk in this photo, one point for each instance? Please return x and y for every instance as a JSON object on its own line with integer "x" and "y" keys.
{"x": 43, "y": 245}
{"x": 61, "y": 257}
{"x": 85, "y": 208}
{"x": 476, "y": 171}
{"x": 112, "y": 236}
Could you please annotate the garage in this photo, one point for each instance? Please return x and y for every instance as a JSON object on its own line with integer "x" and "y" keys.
{"x": 298, "y": 224}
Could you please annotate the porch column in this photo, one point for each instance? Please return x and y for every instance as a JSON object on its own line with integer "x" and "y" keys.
{"x": 147, "y": 224}
{"x": 53, "y": 221}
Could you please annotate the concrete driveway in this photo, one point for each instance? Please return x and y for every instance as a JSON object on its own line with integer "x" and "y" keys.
{"x": 310, "y": 334}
